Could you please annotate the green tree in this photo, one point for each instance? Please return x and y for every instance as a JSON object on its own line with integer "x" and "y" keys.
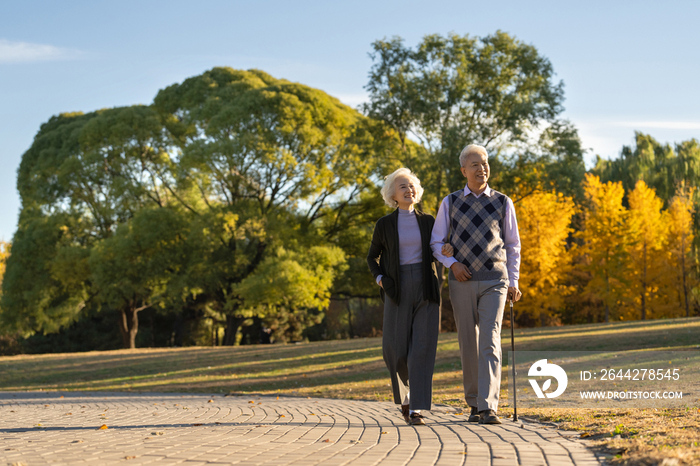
{"x": 82, "y": 177}
{"x": 450, "y": 91}
{"x": 289, "y": 289}
{"x": 661, "y": 166}
{"x": 132, "y": 268}
{"x": 285, "y": 160}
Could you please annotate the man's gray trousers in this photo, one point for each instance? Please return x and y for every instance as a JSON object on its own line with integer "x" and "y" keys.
{"x": 478, "y": 311}
{"x": 409, "y": 340}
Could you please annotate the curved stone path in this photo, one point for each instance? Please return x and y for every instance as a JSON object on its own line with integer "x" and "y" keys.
{"x": 192, "y": 429}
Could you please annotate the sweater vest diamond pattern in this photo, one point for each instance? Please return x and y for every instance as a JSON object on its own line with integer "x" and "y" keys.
{"x": 476, "y": 225}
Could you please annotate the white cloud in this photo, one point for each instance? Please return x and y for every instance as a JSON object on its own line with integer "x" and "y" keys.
{"x": 658, "y": 124}
{"x": 25, "y": 52}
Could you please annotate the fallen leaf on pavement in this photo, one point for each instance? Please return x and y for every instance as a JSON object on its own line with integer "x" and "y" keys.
{"x": 210, "y": 401}
{"x": 77, "y": 441}
{"x": 129, "y": 457}
{"x": 327, "y": 440}
{"x": 156, "y": 433}
{"x": 197, "y": 424}
{"x": 104, "y": 427}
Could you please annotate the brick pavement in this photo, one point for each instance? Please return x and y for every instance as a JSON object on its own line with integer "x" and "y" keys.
{"x": 164, "y": 428}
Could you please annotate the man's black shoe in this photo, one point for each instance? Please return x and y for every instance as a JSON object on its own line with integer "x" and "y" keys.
{"x": 488, "y": 416}
{"x": 474, "y": 416}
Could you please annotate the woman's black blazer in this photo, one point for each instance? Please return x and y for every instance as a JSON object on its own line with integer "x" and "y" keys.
{"x": 383, "y": 256}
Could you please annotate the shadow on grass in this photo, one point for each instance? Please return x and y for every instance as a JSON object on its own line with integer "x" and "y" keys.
{"x": 329, "y": 368}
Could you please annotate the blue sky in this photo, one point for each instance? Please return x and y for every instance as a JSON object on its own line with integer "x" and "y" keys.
{"x": 626, "y": 65}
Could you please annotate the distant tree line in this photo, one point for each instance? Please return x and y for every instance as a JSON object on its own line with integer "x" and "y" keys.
{"x": 237, "y": 202}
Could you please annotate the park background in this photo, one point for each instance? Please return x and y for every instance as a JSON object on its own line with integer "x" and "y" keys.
{"x": 168, "y": 197}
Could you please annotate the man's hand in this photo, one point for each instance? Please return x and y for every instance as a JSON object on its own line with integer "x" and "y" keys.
{"x": 461, "y": 272}
{"x": 380, "y": 283}
{"x": 514, "y": 294}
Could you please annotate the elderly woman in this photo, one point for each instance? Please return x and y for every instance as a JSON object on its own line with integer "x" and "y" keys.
{"x": 402, "y": 263}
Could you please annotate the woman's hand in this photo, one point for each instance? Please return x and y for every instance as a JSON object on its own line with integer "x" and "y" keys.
{"x": 447, "y": 250}
{"x": 380, "y": 283}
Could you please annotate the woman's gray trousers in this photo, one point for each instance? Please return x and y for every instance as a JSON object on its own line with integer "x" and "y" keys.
{"x": 409, "y": 340}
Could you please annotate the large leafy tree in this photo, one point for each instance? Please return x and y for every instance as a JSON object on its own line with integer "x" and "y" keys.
{"x": 172, "y": 205}
{"x": 83, "y": 176}
{"x": 451, "y": 91}
{"x": 288, "y": 162}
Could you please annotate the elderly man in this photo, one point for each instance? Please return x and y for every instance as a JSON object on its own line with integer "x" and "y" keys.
{"x": 480, "y": 224}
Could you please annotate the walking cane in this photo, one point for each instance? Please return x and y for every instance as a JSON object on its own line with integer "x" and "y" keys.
{"x": 512, "y": 349}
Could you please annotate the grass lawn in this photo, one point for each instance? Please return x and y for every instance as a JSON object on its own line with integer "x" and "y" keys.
{"x": 354, "y": 369}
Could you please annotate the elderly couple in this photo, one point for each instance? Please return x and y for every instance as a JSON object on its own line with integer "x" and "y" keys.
{"x": 476, "y": 236}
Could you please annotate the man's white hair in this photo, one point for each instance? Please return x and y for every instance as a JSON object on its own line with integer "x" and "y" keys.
{"x": 389, "y": 188}
{"x": 471, "y": 149}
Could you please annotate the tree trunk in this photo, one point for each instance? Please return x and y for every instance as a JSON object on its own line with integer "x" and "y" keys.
{"x": 350, "y": 330}
{"x": 644, "y": 284}
{"x": 607, "y": 297}
{"x": 233, "y": 323}
{"x": 129, "y": 326}
{"x": 685, "y": 286}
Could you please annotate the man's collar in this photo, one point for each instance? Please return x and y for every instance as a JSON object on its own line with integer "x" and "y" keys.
{"x": 468, "y": 191}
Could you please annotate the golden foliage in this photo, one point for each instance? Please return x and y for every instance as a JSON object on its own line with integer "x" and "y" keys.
{"x": 679, "y": 259}
{"x": 648, "y": 230}
{"x": 544, "y": 220}
{"x": 4, "y": 254}
{"x": 605, "y": 249}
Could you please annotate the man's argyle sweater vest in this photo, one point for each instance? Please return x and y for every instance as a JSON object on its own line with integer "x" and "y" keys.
{"x": 477, "y": 233}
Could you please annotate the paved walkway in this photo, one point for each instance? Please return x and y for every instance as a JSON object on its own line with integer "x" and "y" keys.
{"x": 162, "y": 429}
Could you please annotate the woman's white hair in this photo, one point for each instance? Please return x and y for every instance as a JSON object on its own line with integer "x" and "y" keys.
{"x": 389, "y": 188}
{"x": 471, "y": 149}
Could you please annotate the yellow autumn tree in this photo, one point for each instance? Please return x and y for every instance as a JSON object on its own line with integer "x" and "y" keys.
{"x": 679, "y": 258}
{"x": 4, "y": 254}
{"x": 605, "y": 245}
{"x": 544, "y": 220}
{"x": 648, "y": 231}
